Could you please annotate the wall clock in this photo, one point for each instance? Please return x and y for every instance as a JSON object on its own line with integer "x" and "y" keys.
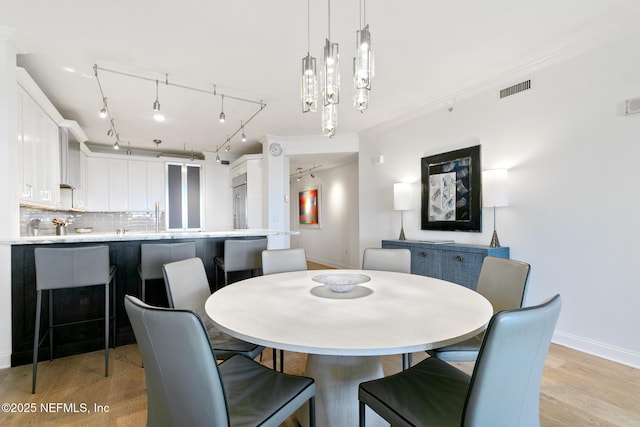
{"x": 275, "y": 149}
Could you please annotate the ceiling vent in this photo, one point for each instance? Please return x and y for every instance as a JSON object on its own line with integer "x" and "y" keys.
{"x": 516, "y": 88}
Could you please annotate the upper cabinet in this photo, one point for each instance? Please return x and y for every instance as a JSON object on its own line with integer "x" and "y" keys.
{"x": 39, "y": 153}
{"x": 122, "y": 185}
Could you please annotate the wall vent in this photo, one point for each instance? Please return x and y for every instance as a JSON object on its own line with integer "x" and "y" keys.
{"x": 516, "y": 88}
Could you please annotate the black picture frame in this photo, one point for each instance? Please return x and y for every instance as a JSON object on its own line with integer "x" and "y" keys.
{"x": 451, "y": 190}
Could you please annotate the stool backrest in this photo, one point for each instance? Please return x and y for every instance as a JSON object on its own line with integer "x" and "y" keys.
{"x": 154, "y": 255}
{"x": 58, "y": 268}
{"x": 398, "y": 260}
{"x": 241, "y": 255}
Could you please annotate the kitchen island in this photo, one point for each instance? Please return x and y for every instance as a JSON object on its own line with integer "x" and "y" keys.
{"x": 88, "y": 302}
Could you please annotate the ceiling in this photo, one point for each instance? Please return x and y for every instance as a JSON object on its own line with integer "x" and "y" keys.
{"x": 426, "y": 52}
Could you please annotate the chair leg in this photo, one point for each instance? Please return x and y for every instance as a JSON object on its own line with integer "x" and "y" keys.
{"x": 312, "y": 412}
{"x": 281, "y": 360}
{"x": 361, "y": 419}
{"x": 404, "y": 361}
{"x": 274, "y": 360}
{"x": 114, "y": 334}
{"x": 50, "y": 327}
{"x": 143, "y": 293}
{"x": 226, "y": 278}
{"x": 36, "y": 341}
{"x": 409, "y": 360}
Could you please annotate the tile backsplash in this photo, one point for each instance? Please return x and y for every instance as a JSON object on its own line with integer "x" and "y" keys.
{"x": 101, "y": 222}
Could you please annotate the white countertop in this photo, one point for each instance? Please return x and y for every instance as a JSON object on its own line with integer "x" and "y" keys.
{"x": 113, "y": 237}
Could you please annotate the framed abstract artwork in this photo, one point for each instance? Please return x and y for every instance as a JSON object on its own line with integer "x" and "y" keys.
{"x": 451, "y": 190}
{"x": 309, "y": 200}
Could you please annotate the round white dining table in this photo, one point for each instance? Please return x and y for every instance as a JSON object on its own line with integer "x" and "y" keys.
{"x": 345, "y": 333}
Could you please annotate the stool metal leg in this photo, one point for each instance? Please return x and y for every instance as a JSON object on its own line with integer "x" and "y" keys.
{"x": 107, "y": 322}
{"x": 36, "y": 341}
{"x": 50, "y": 327}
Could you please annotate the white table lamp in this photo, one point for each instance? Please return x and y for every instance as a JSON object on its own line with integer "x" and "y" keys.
{"x": 494, "y": 194}
{"x": 401, "y": 202}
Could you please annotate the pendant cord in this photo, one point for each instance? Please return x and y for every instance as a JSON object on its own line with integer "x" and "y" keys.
{"x": 308, "y": 26}
{"x": 329, "y": 18}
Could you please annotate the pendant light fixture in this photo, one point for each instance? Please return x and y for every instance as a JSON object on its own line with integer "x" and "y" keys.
{"x": 243, "y": 138}
{"x": 331, "y": 82}
{"x": 222, "y": 116}
{"x": 103, "y": 111}
{"x": 309, "y": 76}
{"x": 363, "y": 64}
{"x": 157, "y": 115}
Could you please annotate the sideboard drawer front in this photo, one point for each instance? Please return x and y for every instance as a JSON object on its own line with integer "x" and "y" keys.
{"x": 462, "y": 268}
{"x": 426, "y": 262}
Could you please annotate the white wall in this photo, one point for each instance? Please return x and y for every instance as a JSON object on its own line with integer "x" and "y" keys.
{"x": 9, "y": 214}
{"x": 335, "y": 243}
{"x": 572, "y": 157}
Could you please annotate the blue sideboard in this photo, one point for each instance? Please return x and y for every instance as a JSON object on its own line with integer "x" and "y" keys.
{"x": 454, "y": 262}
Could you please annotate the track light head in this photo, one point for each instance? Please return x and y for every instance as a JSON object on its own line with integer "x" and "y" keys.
{"x": 103, "y": 113}
{"x": 116, "y": 146}
{"x": 222, "y": 117}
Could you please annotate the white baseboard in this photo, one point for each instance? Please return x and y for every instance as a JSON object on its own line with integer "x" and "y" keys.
{"x": 330, "y": 263}
{"x": 606, "y": 351}
{"x": 5, "y": 360}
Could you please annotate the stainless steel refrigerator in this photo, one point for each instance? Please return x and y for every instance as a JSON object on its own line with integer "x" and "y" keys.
{"x": 239, "y": 184}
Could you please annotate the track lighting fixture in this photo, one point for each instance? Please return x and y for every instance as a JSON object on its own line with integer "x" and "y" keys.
{"x": 300, "y": 172}
{"x": 112, "y": 132}
{"x": 116, "y": 145}
{"x": 217, "y": 158}
{"x": 157, "y": 115}
{"x": 222, "y": 116}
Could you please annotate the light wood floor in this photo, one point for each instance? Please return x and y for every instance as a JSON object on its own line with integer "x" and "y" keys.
{"x": 577, "y": 390}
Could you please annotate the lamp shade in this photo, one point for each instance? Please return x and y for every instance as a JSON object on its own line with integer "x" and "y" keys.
{"x": 401, "y": 196}
{"x": 494, "y": 188}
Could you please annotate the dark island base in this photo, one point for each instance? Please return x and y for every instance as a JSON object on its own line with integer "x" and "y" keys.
{"x": 88, "y": 302}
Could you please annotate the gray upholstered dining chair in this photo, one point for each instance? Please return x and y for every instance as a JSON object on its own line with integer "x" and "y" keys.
{"x": 502, "y": 282}
{"x": 188, "y": 289}
{"x": 387, "y": 259}
{"x": 185, "y": 385}
{"x": 64, "y": 268}
{"x": 281, "y": 261}
{"x": 503, "y": 391}
{"x": 154, "y": 255}
{"x": 240, "y": 255}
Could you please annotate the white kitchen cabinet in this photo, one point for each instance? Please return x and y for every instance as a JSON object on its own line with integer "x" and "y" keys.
{"x": 137, "y": 189}
{"x": 121, "y": 185}
{"x": 146, "y": 185}
{"x": 39, "y": 153}
{"x": 118, "y": 185}
{"x": 156, "y": 185}
{"x": 97, "y": 184}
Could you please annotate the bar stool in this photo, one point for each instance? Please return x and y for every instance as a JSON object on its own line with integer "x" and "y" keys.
{"x": 240, "y": 255}
{"x": 64, "y": 268}
{"x": 154, "y": 255}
